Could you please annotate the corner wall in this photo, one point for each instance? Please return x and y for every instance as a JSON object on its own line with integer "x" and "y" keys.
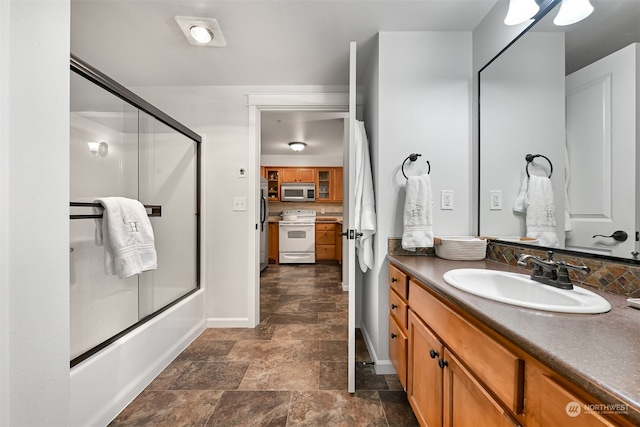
{"x": 418, "y": 99}
{"x": 34, "y": 219}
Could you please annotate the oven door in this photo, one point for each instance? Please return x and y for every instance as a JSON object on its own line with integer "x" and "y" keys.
{"x": 297, "y": 242}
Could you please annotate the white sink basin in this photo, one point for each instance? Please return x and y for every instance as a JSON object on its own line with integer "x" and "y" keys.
{"x": 519, "y": 289}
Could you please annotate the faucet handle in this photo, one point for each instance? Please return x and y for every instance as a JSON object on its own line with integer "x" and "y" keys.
{"x": 563, "y": 280}
{"x": 549, "y": 255}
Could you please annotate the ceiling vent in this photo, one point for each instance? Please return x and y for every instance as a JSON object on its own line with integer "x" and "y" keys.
{"x": 201, "y": 31}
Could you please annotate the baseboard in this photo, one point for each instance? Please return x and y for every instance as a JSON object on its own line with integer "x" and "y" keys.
{"x": 228, "y": 322}
{"x": 382, "y": 366}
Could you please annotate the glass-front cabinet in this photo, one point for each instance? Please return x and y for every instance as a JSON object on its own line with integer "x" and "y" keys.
{"x": 273, "y": 183}
{"x": 329, "y": 184}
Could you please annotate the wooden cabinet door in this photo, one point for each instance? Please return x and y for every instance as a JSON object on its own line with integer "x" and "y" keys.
{"x": 273, "y": 176}
{"x": 298, "y": 175}
{"x": 324, "y": 181}
{"x": 398, "y": 350}
{"x": 336, "y": 185}
{"x": 466, "y": 402}
{"x": 273, "y": 243}
{"x": 425, "y": 377}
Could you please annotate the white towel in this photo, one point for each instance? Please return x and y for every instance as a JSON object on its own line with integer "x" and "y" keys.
{"x": 518, "y": 205}
{"x": 540, "y": 216}
{"x": 365, "y": 212}
{"x": 417, "y": 218}
{"x": 127, "y": 237}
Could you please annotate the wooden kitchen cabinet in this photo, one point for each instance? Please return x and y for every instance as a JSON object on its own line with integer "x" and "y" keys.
{"x": 326, "y": 241}
{"x": 273, "y": 176}
{"x": 329, "y": 184}
{"x": 298, "y": 175}
{"x": 273, "y": 243}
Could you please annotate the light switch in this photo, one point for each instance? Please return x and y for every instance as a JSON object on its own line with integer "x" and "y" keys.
{"x": 239, "y": 203}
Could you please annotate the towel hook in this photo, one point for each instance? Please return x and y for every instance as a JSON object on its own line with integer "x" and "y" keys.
{"x": 529, "y": 158}
{"x": 413, "y": 157}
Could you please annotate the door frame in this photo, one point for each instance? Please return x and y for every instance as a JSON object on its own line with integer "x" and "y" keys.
{"x": 322, "y": 102}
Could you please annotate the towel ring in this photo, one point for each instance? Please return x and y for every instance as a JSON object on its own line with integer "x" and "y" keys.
{"x": 413, "y": 157}
{"x": 529, "y": 158}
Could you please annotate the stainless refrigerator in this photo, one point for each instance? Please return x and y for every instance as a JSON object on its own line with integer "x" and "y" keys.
{"x": 264, "y": 224}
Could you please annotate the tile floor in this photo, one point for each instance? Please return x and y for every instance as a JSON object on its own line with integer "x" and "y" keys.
{"x": 291, "y": 370}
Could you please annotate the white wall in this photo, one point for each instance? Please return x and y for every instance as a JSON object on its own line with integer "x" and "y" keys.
{"x": 418, "y": 99}
{"x": 34, "y": 256}
{"x": 223, "y": 115}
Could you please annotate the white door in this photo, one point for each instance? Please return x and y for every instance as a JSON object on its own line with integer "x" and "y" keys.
{"x": 601, "y": 147}
{"x": 349, "y": 206}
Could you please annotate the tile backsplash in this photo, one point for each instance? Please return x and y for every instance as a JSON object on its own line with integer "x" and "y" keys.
{"x": 617, "y": 278}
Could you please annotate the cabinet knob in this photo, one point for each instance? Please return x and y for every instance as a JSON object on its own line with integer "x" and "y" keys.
{"x": 394, "y": 280}
{"x": 433, "y": 353}
{"x": 393, "y": 306}
{"x": 442, "y": 363}
{"x": 393, "y": 336}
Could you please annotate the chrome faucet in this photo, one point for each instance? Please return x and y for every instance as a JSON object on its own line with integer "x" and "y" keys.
{"x": 549, "y": 271}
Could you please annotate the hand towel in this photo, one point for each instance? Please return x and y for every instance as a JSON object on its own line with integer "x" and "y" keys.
{"x": 518, "y": 205}
{"x": 417, "y": 217}
{"x": 365, "y": 212}
{"x": 127, "y": 237}
{"x": 540, "y": 216}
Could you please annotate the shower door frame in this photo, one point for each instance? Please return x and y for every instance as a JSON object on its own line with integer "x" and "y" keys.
{"x": 102, "y": 80}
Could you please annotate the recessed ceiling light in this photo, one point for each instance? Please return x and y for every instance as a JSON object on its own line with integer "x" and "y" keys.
{"x": 201, "y": 31}
{"x": 201, "y": 34}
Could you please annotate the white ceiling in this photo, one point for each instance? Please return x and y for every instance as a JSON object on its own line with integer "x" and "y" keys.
{"x": 269, "y": 42}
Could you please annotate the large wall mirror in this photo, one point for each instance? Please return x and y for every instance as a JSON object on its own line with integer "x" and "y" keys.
{"x": 571, "y": 95}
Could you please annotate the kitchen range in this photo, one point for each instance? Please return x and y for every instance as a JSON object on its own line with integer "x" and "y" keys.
{"x": 297, "y": 237}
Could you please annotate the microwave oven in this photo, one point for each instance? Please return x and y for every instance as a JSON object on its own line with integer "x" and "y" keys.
{"x": 298, "y": 192}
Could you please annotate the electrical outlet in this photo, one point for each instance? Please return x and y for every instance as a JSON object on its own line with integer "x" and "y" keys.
{"x": 446, "y": 199}
{"x": 495, "y": 200}
{"x": 239, "y": 203}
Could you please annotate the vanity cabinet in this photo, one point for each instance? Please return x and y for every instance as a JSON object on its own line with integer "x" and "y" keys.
{"x": 457, "y": 371}
{"x": 398, "y": 322}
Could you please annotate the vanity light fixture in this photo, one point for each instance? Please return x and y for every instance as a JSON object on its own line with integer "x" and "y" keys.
{"x": 201, "y": 31}
{"x": 297, "y": 146}
{"x": 521, "y": 11}
{"x": 572, "y": 11}
{"x": 98, "y": 149}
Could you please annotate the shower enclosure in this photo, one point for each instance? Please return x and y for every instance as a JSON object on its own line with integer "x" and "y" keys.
{"x": 120, "y": 145}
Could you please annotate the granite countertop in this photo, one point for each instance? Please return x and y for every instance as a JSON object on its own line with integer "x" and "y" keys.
{"x": 598, "y": 352}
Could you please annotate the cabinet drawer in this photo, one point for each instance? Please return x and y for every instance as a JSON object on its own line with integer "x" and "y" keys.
{"x": 501, "y": 370}
{"x": 398, "y": 350}
{"x": 325, "y": 237}
{"x": 398, "y": 309}
{"x": 325, "y": 251}
{"x": 399, "y": 282}
{"x": 325, "y": 227}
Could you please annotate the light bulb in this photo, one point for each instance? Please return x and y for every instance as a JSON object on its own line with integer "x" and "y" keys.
{"x": 201, "y": 34}
{"x": 572, "y": 11}
{"x": 521, "y": 11}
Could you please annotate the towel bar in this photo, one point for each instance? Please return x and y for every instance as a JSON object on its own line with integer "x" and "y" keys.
{"x": 529, "y": 158}
{"x": 156, "y": 210}
{"x": 413, "y": 157}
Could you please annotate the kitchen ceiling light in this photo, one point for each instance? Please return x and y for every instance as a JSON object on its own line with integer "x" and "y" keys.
{"x": 201, "y": 31}
{"x": 520, "y": 11}
{"x": 572, "y": 11}
{"x": 297, "y": 146}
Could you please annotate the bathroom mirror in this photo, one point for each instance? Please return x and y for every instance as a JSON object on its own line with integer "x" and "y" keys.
{"x": 572, "y": 94}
